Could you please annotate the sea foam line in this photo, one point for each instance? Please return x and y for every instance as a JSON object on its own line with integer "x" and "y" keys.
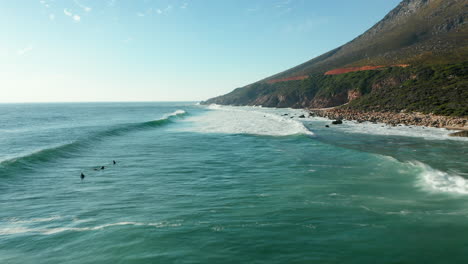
{"x": 33, "y": 220}
{"x": 429, "y": 133}
{"x": 439, "y": 181}
{"x": 15, "y": 229}
{"x": 237, "y": 120}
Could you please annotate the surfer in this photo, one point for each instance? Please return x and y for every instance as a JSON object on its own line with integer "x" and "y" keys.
{"x": 82, "y": 176}
{"x": 103, "y": 167}
{"x": 114, "y": 162}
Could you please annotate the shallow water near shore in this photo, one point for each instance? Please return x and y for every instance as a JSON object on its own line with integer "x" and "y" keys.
{"x": 212, "y": 184}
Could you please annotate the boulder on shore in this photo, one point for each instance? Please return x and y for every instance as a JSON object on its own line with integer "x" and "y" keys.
{"x": 394, "y": 119}
{"x": 337, "y": 122}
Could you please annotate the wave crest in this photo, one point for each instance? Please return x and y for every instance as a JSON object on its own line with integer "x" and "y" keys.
{"x": 70, "y": 149}
{"x": 245, "y": 120}
{"x": 439, "y": 181}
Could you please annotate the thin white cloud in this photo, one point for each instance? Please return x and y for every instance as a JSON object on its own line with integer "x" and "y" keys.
{"x": 75, "y": 17}
{"x": 184, "y": 6}
{"x": 44, "y": 3}
{"x": 68, "y": 13}
{"x": 22, "y": 52}
{"x": 164, "y": 11}
{"x": 51, "y": 16}
{"x": 140, "y": 14}
{"x": 85, "y": 8}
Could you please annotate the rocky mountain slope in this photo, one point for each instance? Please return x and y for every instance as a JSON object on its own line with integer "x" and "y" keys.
{"x": 419, "y": 51}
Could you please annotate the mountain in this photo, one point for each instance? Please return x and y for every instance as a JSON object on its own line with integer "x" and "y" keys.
{"x": 417, "y": 54}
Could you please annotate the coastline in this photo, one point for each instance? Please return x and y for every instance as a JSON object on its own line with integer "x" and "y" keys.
{"x": 393, "y": 119}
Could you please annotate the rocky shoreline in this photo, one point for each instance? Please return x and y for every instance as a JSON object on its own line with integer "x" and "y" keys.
{"x": 394, "y": 119}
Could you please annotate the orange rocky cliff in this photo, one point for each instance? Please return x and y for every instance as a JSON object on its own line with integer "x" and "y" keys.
{"x": 363, "y": 68}
{"x": 336, "y": 72}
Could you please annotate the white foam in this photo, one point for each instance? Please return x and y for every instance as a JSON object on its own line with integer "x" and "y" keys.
{"x": 431, "y": 133}
{"x": 175, "y": 113}
{"x": 15, "y": 229}
{"x": 402, "y": 212}
{"x": 215, "y": 106}
{"x": 50, "y": 231}
{"x": 438, "y": 181}
{"x": 244, "y": 120}
{"x": 34, "y": 220}
{"x": 353, "y": 127}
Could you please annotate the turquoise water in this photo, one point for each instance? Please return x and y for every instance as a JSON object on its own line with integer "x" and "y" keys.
{"x": 196, "y": 184}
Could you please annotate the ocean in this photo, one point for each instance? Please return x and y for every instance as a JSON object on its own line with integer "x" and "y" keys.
{"x": 219, "y": 184}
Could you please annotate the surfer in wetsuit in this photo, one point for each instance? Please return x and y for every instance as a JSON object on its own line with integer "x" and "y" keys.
{"x": 114, "y": 162}
{"x": 82, "y": 176}
{"x": 103, "y": 167}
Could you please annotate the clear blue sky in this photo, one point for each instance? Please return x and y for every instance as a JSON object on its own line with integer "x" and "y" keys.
{"x": 159, "y": 50}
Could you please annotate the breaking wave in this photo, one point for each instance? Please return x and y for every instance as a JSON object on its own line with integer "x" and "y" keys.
{"x": 236, "y": 120}
{"x": 438, "y": 181}
{"x": 70, "y": 149}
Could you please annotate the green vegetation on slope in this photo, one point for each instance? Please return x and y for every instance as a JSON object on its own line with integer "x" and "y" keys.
{"x": 438, "y": 89}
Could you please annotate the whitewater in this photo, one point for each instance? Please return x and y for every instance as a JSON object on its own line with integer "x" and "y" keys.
{"x": 211, "y": 184}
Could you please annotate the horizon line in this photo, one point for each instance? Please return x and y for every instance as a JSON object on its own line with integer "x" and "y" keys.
{"x": 85, "y": 102}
